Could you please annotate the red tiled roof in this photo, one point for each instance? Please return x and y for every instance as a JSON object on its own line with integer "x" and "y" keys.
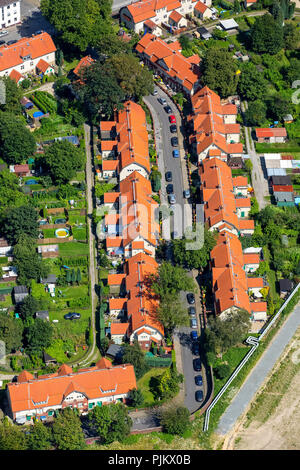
{"x": 251, "y": 258}
{"x": 271, "y": 132}
{"x": 93, "y": 382}
{"x": 110, "y": 165}
{"x": 200, "y": 7}
{"x": 15, "y": 75}
{"x": 118, "y": 328}
{"x": 43, "y": 66}
{"x": 255, "y": 282}
{"x": 36, "y": 46}
{"x": 22, "y": 168}
{"x": 175, "y": 16}
{"x": 115, "y": 279}
{"x": 246, "y": 224}
{"x": 240, "y": 181}
{"x": 84, "y": 62}
{"x": 258, "y": 306}
{"x": 117, "y": 304}
{"x": 280, "y": 188}
{"x": 243, "y": 202}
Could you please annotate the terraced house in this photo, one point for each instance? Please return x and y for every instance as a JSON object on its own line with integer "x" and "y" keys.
{"x": 181, "y": 73}
{"x": 213, "y": 127}
{"x": 39, "y": 397}
{"x": 150, "y": 15}
{"x": 223, "y": 199}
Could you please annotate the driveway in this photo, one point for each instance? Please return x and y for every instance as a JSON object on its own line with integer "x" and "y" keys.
{"x": 259, "y": 180}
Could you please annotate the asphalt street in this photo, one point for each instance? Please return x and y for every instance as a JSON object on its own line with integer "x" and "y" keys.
{"x": 260, "y": 372}
{"x": 166, "y": 162}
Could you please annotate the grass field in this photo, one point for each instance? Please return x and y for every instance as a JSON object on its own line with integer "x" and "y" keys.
{"x": 73, "y": 249}
{"x": 144, "y": 384}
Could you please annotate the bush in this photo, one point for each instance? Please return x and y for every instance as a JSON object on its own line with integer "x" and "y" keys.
{"x": 222, "y": 371}
{"x": 176, "y": 420}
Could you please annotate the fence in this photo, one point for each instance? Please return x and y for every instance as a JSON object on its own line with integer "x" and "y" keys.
{"x": 254, "y": 342}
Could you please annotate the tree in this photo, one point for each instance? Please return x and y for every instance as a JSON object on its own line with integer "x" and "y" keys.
{"x": 134, "y": 80}
{"x": 291, "y": 36}
{"x": 252, "y": 84}
{"x": 73, "y": 276}
{"x": 170, "y": 280}
{"x": 67, "y": 431}
{"x": 190, "y": 258}
{"x": 278, "y": 106}
{"x": 39, "y": 437}
{"x": 222, "y": 371}
{"x": 61, "y": 160}
{"x": 135, "y": 397}
{"x": 176, "y": 420}
{"x": 13, "y": 95}
{"x": 248, "y": 165}
{"x": 38, "y": 336}
{"x": 11, "y": 194}
{"x": 11, "y": 331}
{"x": 171, "y": 313}
{"x": 225, "y": 333}
{"x": 12, "y": 437}
{"x": 219, "y": 72}
{"x": 292, "y": 72}
{"x": 155, "y": 178}
{"x": 78, "y": 276}
{"x": 166, "y": 385}
{"x": 135, "y": 356}
{"x": 111, "y": 422}
{"x": 19, "y": 221}
{"x": 16, "y": 141}
{"x": 100, "y": 92}
{"x": 256, "y": 113}
{"x": 79, "y": 24}
{"x": 27, "y": 261}
{"x": 28, "y": 308}
{"x": 266, "y": 35}
{"x": 236, "y": 6}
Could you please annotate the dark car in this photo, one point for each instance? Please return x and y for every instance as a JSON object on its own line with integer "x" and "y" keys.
{"x": 2, "y": 42}
{"x": 173, "y": 128}
{"x": 9, "y": 43}
{"x": 190, "y": 298}
{"x": 72, "y": 316}
{"x": 38, "y": 32}
{"x": 168, "y": 109}
{"x": 198, "y": 380}
{"x": 194, "y": 335}
{"x": 197, "y": 364}
{"x": 170, "y": 189}
{"x": 196, "y": 349}
{"x": 174, "y": 142}
{"x": 168, "y": 176}
{"x": 199, "y": 395}
{"x": 192, "y": 311}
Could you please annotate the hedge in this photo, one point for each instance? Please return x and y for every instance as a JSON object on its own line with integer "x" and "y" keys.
{"x": 158, "y": 361}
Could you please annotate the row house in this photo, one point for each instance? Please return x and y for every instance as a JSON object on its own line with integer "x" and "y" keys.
{"x": 181, "y": 73}
{"x": 124, "y": 143}
{"x": 139, "y": 305}
{"x": 225, "y": 210}
{"x": 40, "y": 397}
{"x": 160, "y": 13}
{"x": 134, "y": 226}
{"x": 214, "y": 131}
{"x": 28, "y": 56}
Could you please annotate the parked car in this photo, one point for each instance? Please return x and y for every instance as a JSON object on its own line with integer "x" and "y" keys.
{"x": 3, "y": 33}
{"x": 175, "y": 153}
{"x": 170, "y": 189}
{"x": 192, "y": 311}
{"x": 194, "y": 335}
{"x": 168, "y": 109}
{"x": 38, "y": 32}
{"x": 172, "y": 199}
{"x": 193, "y": 323}
{"x": 197, "y": 364}
{"x": 198, "y": 380}
{"x": 172, "y": 119}
{"x": 187, "y": 193}
{"x": 162, "y": 101}
{"x": 190, "y": 298}
{"x": 196, "y": 349}
{"x": 199, "y": 395}
{"x": 168, "y": 176}
{"x": 154, "y": 92}
{"x": 72, "y": 316}
{"x": 2, "y": 42}
{"x": 9, "y": 43}
{"x": 174, "y": 142}
{"x": 173, "y": 128}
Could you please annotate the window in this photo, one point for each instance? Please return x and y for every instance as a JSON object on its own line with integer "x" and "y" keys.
{"x": 31, "y": 63}
{"x": 22, "y": 67}
{"x": 14, "y": 4}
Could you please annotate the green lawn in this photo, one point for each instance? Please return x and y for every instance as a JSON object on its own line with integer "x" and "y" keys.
{"x": 144, "y": 384}
{"x": 73, "y": 249}
{"x": 79, "y": 233}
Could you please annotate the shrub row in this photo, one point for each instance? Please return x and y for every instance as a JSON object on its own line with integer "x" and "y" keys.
{"x": 80, "y": 261}
{"x": 47, "y": 100}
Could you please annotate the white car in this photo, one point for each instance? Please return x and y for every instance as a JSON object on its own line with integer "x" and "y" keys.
{"x": 3, "y": 33}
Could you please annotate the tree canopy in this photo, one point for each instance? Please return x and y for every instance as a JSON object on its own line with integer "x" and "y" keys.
{"x": 18, "y": 221}
{"x": 219, "y": 72}
{"x": 252, "y": 84}
{"x": 11, "y": 194}
{"x": 61, "y": 160}
{"x": 16, "y": 141}
{"x": 266, "y": 35}
{"x": 112, "y": 422}
{"x": 135, "y": 356}
{"x": 67, "y": 431}
{"x": 175, "y": 420}
{"x": 193, "y": 258}
{"x": 38, "y": 336}
{"x": 13, "y": 95}
{"x": 27, "y": 261}
{"x": 11, "y": 331}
